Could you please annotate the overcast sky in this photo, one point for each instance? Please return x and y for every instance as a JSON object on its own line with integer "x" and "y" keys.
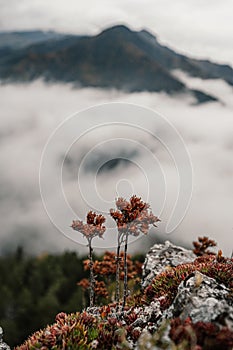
{"x": 201, "y": 28}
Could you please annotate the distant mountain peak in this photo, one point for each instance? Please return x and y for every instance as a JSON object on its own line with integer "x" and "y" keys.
{"x": 117, "y": 28}
{"x": 118, "y": 57}
{"x": 123, "y": 29}
{"x": 116, "y": 31}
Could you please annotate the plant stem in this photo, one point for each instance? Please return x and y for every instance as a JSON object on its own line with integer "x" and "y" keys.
{"x": 92, "y": 279}
{"x": 125, "y": 273}
{"x": 118, "y": 274}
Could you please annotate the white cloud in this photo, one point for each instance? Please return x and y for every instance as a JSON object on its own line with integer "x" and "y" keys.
{"x": 29, "y": 113}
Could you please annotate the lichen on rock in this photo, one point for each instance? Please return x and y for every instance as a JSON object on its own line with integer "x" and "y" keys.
{"x": 203, "y": 300}
{"x": 162, "y": 256}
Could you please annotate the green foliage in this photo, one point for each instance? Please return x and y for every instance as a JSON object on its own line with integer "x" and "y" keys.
{"x": 69, "y": 332}
{"x": 34, "y": 289}
{"x": 81, "y": 331}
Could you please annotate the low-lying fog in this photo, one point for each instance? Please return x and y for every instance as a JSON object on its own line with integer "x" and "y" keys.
{"x": 30, "y": 113}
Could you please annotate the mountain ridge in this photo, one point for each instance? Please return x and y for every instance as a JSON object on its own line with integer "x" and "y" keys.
{"x": 115, "y": 58}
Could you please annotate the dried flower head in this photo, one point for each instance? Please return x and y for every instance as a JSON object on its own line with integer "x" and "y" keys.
{"x": 93, "y": 228}
{"x": 201, "y": 246}
{"x": 106, "y": 267}
{"x": 133, "y": 216}
{"x": 99, "y": 287}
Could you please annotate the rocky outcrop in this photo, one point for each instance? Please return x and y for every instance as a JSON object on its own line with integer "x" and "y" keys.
{"x": 201, "y": 314}
{"x": 203, "y": 300}
{"x": 162, "y": 256}
{"x": 200, "y": 318}
{"x": 197, "y": 314}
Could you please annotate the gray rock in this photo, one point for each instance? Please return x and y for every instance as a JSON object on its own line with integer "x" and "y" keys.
{"x": 147, "y": 314}
{"x": 199, "y": 297}
{"x": 162, "y": 256}
{"x": 154, "y": 341}
{"x": 202, "y": 299}
{"x": 3, "y": 346}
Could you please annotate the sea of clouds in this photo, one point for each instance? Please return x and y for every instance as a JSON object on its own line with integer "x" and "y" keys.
{"x": 91, "y": 180}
